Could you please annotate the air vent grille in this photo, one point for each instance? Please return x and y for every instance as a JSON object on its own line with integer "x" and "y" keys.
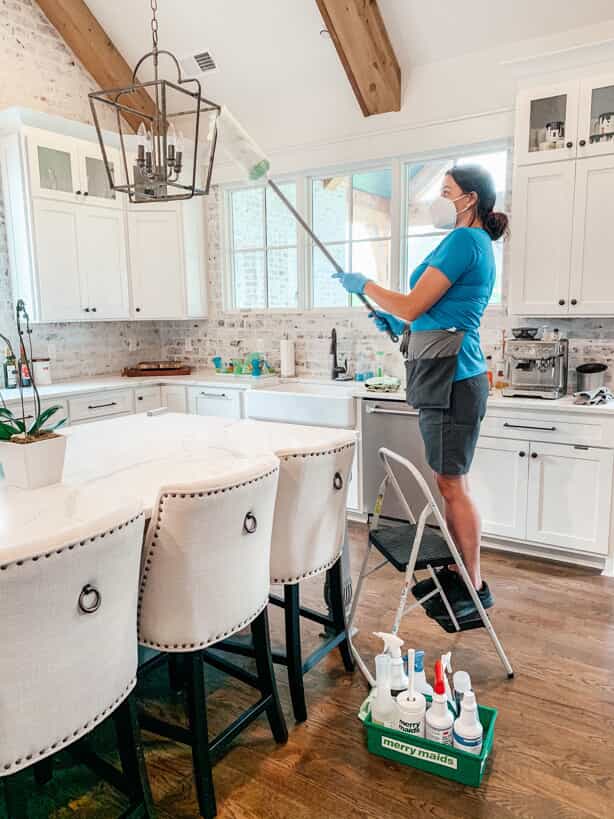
{"x": 205, "y": 61}
{"x": 195, "y": 64}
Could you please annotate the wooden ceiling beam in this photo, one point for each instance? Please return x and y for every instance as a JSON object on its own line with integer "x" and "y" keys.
{"x": 89, "y": 42}
{"x": 358, "y": 31}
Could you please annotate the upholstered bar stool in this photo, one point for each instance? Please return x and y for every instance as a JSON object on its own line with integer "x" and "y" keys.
{"x": 205, "y": 576}
{"x": 68, "y": 658}
{"x": 308, "y": 538}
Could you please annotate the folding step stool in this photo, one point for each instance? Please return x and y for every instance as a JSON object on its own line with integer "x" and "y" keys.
{"x": 411, "y": 546}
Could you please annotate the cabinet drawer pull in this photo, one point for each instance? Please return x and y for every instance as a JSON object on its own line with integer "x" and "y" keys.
{"x": 215, "y": 395}
{"x": 522, "y": 426}
{"x": 569, "y": 145}
{"x": 522, "y": 454}
{"x": 561, "y": 302}
{"x": 574, "y": 302}
{"x": 582, "y": 143}
{"x": 534, "y": 454}
{"x": 102, "y": 406}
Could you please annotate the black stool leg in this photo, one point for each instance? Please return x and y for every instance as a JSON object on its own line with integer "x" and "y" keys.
{"x": 338, "y": 612}
{"x": 197, "y": 717}
{"x": 266, "y": 676}
{"x": 131, "y": 755}
{"x": 16, "y": 798}
{"x": 176, "y": 672}
{"x": 43, "y": 771}
{"x": 293, "y": 651}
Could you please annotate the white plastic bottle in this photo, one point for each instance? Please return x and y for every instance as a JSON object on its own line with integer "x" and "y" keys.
{"x": 384, "y": 710}
{"x": 412, "y": 705}
{"x": 420, "y": 681}
{"x": 439, "y": 720}
{"x": 461, "y": 681}
{"x": 392, "y": 646}
{"x": 468, "y": 731}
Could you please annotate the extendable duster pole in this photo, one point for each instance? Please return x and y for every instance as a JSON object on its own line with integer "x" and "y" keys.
{"x": 245, "y": 153}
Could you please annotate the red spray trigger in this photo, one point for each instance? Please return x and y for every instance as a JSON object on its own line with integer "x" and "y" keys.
{"x": 439, "y": 687}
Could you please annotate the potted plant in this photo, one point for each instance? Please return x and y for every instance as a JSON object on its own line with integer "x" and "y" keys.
{"x": 31, "y": 454}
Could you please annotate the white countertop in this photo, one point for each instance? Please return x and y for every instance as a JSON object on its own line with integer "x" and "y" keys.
{"x": 121, "y": 463}
{"x": 208, "y": 378}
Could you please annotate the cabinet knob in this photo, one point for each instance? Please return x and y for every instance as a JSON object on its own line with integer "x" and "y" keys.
{"x": 561, "y": 302}
{"x": 139, "y": 398}
{"x": 85, "y": 193}
{"x": 582, "y": 143}
{"x": 93, "y": 309}
{"x": 574, "y": 302}
{"x": 87, "y": 309}
{"x": 569, "y": 145}
{"x": 138, "y": 309}
{"x": 522, "y": 454}
{"x": 78, "y": 193}
{"x": 534, "y": 454}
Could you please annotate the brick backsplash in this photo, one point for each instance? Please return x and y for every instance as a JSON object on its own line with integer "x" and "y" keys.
{"x": 38, "y": 71}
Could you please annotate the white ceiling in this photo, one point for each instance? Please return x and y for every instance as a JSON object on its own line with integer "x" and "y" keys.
{"x": 285, "y": 81}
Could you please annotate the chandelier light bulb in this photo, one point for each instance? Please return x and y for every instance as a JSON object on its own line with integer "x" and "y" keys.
{"x": 171, "y": 136}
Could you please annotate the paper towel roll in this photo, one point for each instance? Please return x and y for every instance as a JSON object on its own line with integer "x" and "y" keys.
{"x": 288, "y": 367}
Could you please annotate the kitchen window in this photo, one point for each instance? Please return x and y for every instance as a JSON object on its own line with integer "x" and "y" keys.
{"x": 263, "y": 248}
{"x": 423, "y": 184}
{"x": 351, "y": 214}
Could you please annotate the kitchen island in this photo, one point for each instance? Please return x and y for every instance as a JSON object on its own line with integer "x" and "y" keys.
{"x": 114, "y": 463}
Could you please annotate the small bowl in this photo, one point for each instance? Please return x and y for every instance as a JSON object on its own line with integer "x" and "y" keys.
{"x": 525, "y": 332}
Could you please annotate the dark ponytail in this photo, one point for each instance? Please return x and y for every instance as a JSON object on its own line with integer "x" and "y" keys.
{"x": 475, "y": 179}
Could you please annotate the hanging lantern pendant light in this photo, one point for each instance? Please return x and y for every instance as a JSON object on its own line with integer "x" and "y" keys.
{"x": 155, "y": 171}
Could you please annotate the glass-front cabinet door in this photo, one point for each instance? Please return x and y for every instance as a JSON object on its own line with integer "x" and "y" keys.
{"x": 546, "y": 124}
{"x": 96, "y": 188}
{"x": 54, "y": 167}
{"x": 596, "y": 116}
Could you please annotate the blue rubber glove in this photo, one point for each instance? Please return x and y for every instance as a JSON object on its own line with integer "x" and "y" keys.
{"x": 353, "y": 282}
{"x": 383, "y": 321}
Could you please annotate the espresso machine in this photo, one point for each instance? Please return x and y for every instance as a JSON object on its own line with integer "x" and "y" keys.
{"x": 535, "y": 368}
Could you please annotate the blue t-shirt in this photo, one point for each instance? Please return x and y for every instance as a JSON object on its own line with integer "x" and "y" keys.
{"x": 464, "y": 256}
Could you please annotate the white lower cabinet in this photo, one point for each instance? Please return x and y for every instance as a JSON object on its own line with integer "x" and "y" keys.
{"x": 569, "y": 497}
{"x": 147, "y": 398}
{"x": 222, "y": 402}
{"x": 499, "y": 479}
{"x": 174, "y": 398}
{"x": 551, "y": 494}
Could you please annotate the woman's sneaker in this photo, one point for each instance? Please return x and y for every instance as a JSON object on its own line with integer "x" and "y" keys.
{"x": 459, "y": 599}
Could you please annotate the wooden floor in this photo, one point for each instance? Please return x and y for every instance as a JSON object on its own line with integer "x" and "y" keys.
{"x": 554, "y": 744}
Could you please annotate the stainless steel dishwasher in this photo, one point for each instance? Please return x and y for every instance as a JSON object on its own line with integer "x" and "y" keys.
{"x": 393, "y": 424}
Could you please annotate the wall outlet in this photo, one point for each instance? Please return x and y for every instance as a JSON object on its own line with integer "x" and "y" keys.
{"x": 188, "y": 344}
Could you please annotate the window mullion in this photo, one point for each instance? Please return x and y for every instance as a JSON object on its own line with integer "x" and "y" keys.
{"x": 266, "y": 251}
{"x": 351, "y": 230}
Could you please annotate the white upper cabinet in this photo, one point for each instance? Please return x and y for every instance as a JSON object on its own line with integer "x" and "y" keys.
{"x": 592, "y": 281}
{"x": 103, "y": 263}
{"x": 60, "y": 283}
{"x": 546, "y": 123}
{"x": 77, "y": 252}
{"x": 543, "y": 204}
{"x": 566, "y": 120}
{"x": 156, "y": 261}
{"x": 596, "y": 116}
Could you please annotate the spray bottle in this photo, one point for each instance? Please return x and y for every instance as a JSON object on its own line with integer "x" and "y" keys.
{"x": 420, "y": 683}
{"x": 446, "y": 664}
{"x": 384, "y": 709}
{"x": 392, "y": 646}
{"x": 439, "y": 720}
{"x": 468, "y": 731}
{"x": 412, "y": 705}
{"x": 461, "y": 682}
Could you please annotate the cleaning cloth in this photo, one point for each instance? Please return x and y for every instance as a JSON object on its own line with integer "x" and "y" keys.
{"x": 601, "y": 395}
{"x": 384, "y": 383}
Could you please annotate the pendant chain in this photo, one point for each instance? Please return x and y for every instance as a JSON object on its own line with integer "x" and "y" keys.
{"x": 154, "y": 23}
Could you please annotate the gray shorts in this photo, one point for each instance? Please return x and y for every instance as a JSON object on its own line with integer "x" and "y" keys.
{"x": 450, "y": 435}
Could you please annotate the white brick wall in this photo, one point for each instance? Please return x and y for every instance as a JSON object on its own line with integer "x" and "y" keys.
{"x": 38, "y": 71}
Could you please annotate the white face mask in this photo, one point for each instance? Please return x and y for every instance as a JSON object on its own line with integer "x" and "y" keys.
{"x": 443, "y": 212}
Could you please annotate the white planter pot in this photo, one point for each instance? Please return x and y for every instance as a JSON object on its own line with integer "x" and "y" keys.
{"x": 29, "y": 466}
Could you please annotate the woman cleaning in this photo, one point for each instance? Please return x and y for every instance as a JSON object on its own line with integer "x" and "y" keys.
{"x": 447, "y": 380}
